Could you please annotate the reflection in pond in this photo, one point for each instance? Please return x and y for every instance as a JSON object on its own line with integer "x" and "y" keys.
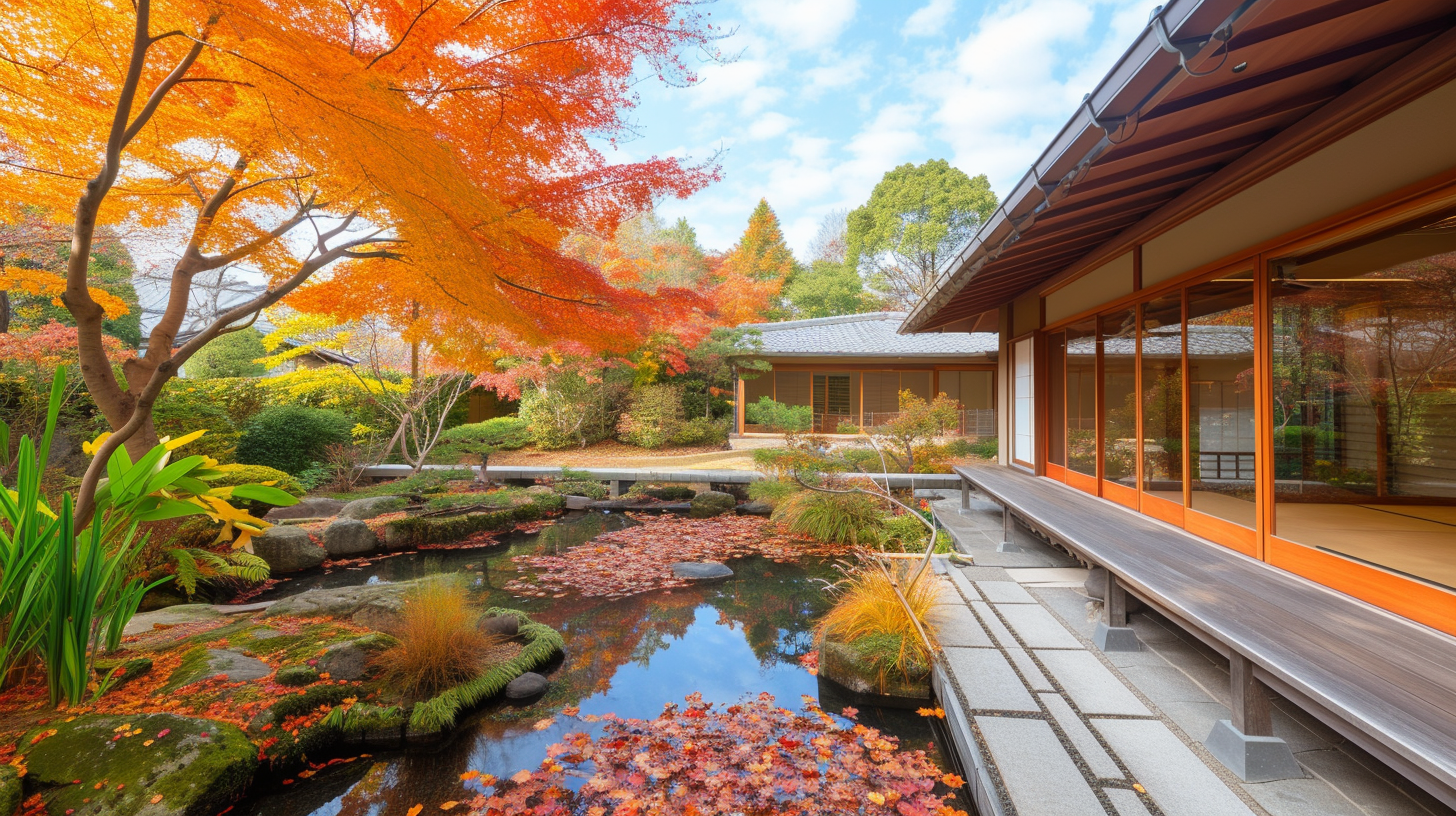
{"x": 628, "y": 657}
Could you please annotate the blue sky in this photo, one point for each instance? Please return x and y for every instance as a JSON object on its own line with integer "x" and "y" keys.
{"x": 827, "y": 95}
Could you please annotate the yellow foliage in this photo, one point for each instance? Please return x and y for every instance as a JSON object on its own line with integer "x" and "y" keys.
{"x": 39, "y": 282}
{"x": 867, "y": 605}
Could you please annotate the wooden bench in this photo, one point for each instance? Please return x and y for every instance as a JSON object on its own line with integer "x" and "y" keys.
{"x": 1382, "y": 681}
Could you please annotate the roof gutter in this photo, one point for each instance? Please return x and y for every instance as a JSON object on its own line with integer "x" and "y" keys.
{"x": 1106, "y": 111}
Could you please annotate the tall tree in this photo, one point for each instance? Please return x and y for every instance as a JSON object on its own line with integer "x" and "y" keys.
{"x": 429, "y": 152}
{"x": 917, "y": 217}
{"x": 750, "y": 276}
{"x": 831, "y": 242}
{"x": 826, "y": 289}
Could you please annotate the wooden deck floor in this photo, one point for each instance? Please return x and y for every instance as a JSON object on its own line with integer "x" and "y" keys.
{"x": 1386, "y": 683}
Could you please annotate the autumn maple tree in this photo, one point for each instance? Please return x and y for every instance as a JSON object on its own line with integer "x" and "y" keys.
{"x": 428, "y": 151}
{"x": 750, "y": 276}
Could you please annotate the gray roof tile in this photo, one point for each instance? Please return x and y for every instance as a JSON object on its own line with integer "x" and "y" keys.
{"x": 864, "y": 335}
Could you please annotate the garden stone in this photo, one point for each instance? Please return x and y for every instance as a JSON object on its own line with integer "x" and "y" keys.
{"x": 579, "y": 502}
{"x": 234, "y": 665}
{"x": 756, "y": 509}
{"x": 171, "y": 616}
{"x": 376, "y": 606}
{"x": 365, "y": 509}
{"x": 1096, "y": 588}
{"x": 701, "y": 571}
{"x": 351, "y": 659}
{"x": 288, "y": 549}
{"x": 10, "y": 791}
{"x": 296, "y": 675}
{"x": 199, "y": 767}
{"x": 526, "y": 686}
{"x": 503, "y": 625}
{"x": 349, "y": 536}
{"x": 712, "y": 503}
{"x": 540, "y": 490}
{"x": 310, "y": 507}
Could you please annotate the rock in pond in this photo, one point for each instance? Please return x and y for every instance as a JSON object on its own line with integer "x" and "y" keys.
{"x": 235, "y": 665}
{"x": 503, "y": 625}
{"x": 198, "y": 767}
{"x": 365, "y": 509}
{"x": 579, "y": 502}
{"x": 756, "y": 509}
{"x": 352, "y": 659}
{"x": 309, "y": 507}
{"x": 540, "y": 490}
{"x": 703, "y": 571}
{"x": 348, "y": 536}
{"x": 376, "y": 606}
{"x": 712, "y": 503}
{"x": 526, "y": 686}
{"x": 288, "y": 549}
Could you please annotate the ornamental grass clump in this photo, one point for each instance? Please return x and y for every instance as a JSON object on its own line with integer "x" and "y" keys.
{"x": 841, "y": 518}
{"x": 439, "y": 646}
{"x": 869, "y": 617}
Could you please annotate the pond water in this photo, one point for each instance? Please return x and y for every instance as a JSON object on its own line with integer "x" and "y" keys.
{"x": 629, "y": 657}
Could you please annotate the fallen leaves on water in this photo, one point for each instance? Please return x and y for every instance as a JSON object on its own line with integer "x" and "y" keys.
{"x": 754, "y": 757}
{"x": 639, "y": 559}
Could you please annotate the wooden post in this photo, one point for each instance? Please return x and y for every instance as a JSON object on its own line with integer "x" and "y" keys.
{"x": 1252, "y": 713}
{"x": 1114, "y": 603}
{"x": 965, "y": 494}
{"x": 1008, "y": 526}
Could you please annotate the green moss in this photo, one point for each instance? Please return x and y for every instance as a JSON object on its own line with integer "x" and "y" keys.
{"x": 192, "y": 668}
{"x": 296, "y": 675}
{"x": 581, "y": 487}
{"x": 193, "y": 773}
{"x": 417, "y": 531}
{"x": 10, "y": 791}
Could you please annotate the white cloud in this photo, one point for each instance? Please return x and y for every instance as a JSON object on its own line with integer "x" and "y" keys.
{"x": 746, "y": 81}
{"x": 841, "y": 73}
{"x": 929, "y": 20}
{"x": 769, "y": 125}
{"x": 803, "y": 24}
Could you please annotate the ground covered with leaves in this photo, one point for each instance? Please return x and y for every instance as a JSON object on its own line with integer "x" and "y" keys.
{"x": 639, "y": 559}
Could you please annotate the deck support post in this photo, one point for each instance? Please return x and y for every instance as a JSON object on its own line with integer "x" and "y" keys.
{"x": 1245, "y": 743}
{"x": 1008, "y": 532}
{"x": 965, "y": 495}
{"x": 1113, "y": 634}
{"x": 614, "y": 488}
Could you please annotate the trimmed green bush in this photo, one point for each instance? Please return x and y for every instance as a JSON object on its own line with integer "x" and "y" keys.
{"x": 654, "y": 416}
{"x": 987, "y": 447}
{"x": 572, "y": 411}
{"x": 581, "y": 487}
{"x": 291, "y": 438}
{"x": 778, "y": 417}
{"x": 661, "y": 492}
{"x": 478, "y": 438}
{"x": 231, "y": 355}
{"x": 702, "y": 431}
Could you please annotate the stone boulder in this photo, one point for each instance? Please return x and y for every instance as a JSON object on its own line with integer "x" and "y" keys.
{"x": 846, "y": 666}
{"x": 503, "y": 625}
{"x": 296, "y": 675}
{"x": 309, "y": 507}
{"x": 11, "y": 792}
{"x": 288, "y": 549}
{"x": 526, "y": 686}
{"x": 540, "y": 490}
{"x": 705, "y": 572}
{"x": 756, "y": 508}
{"x": 191, "y": 766}
{"x": 349, "y": 536}
{"x": 579, "y": 502}
{"x": 171, "y": 616}
{"x": 712, "y": 503}
{"x": 236, "y": 666}
{"x": 352, "y": 660}
{"x": 365, "y": 509}
{"x": 376, "y": 606}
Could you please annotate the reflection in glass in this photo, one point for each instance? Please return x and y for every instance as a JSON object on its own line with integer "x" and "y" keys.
{"x": 1082, "y": 397}
{"x": 1118, "y": 338}
{"x": 1162, "y": 397}
{"x": 1364, "y": 365}
{"x": 1056, "y": 399}
{"x": 1221, "y": 399}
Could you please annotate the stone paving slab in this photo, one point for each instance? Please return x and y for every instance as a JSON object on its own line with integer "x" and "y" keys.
{"x": 1049, "y": 575}
{"x": 1030, "y": 672}
{"x": 1038, "y": 628}
{"x": 968, "y": 589}
{"x": 1082, "y": 737}
{"x": 1126, "y": 802}
{"x": 1041, "y": 778}
{"x": 993, "y": 624}
{"x": 988, "y": 681}
{"x": 957, "y": 626}
{"x": 1007, "y": 592}
{"x": 1092, "y": 686}
{"x": 1175, "y": 778}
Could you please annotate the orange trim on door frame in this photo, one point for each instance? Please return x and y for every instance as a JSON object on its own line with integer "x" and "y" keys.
{"x": 1236, "y": 537}
{"x": 1418, "y": 601}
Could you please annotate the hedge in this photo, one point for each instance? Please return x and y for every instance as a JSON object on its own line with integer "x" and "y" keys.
{"x": 417, "y": 531}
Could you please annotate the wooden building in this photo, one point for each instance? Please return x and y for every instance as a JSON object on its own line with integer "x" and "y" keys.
{"x": 1226, "y": 301}
{"x": 852, "y": 368}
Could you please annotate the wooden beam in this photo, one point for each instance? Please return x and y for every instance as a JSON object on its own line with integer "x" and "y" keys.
{"x": 1249, "y": 704}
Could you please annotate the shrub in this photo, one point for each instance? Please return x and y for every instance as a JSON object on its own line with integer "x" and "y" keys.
{"x": 479, "y": 438}
{"x": 868, "y": 615}
{"x": 772, "y": 491}
{"x": 232, "y": 355}
{"x": 291, "y": 438}
{"x": 416, "y": 531}
{"x": 905, "y": 533}
{"x": 852, "y": 518}
{"x": 702, "y": 431}
{"x": 661, "y": 492}
{"x": 779, "y": 417}
{"x": 439, "y": 644}
{"x": 654, "y": 416}
{"x": 581, "y": 487}
{"x": 241, "y": 397}
{"x": 784, "y": 462}
{"x": 184, "y": 408}
{"x": 571, "y": 410}
{"x": 846, "y": 427}
{"x": 987, "y": 447}
{"x": 234, "y": 475}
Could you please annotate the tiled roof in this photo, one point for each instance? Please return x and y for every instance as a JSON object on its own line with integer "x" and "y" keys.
{"x": 866, "y": 335}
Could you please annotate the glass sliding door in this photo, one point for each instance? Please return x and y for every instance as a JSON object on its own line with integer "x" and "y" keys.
{"x": 1056, "y": 403}
{"x": 1364, "y": 365}
{"x": 1117, "y": 339}
{"x": 1161, "y": 403}
{"x": 1220, "y": 412}
{"x": 1081, "y": 405}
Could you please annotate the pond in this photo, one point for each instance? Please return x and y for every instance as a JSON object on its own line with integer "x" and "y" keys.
{"x": 628, "y": 656}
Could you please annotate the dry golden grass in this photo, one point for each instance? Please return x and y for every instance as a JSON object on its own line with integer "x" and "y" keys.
{"x": 440, "y": 646}
{"x": 867, "y": 609}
